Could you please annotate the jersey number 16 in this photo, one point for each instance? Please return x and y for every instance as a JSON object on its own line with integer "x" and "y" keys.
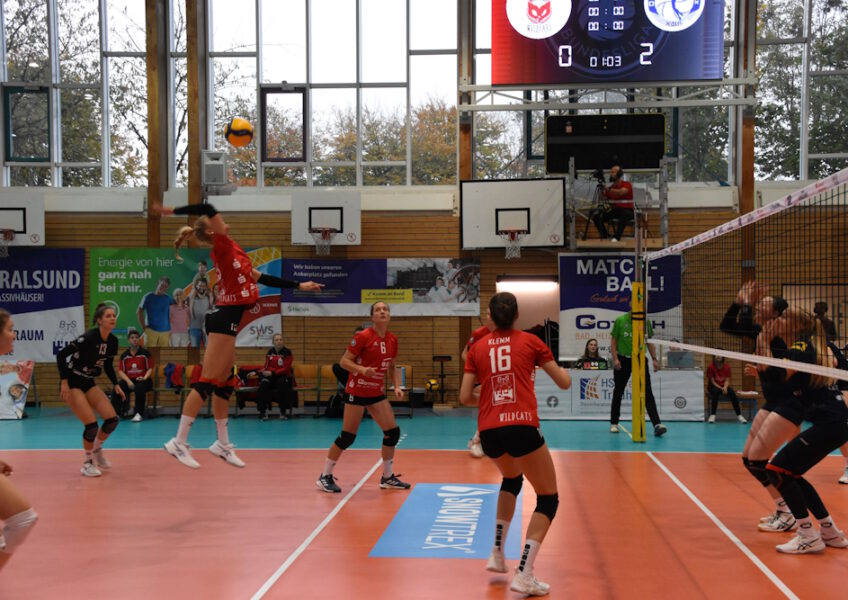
{"x": 500, "y": 359}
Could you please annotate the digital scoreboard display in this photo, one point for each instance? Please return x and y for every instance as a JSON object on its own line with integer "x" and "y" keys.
{"x": 597, "y": 41}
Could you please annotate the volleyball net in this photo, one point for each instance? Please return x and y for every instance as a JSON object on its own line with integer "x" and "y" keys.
{"x": 795, "y": 248}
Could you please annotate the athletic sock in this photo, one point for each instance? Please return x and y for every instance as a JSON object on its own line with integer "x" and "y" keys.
{"x": 781, "y": 505}
{"x": 98, "y": 444}
{"x": 182, "y": 431}
{"x": 223, "y": 434}
{"x": 501, "y": 529}
{"x": 827, "y": 525}
{"x": 528, "y": 556}
{"x": 89, "y": 454}
{"x": 387, "y": 467}
{"x": 329, "y": 465}
{"x": 806, "y": 529}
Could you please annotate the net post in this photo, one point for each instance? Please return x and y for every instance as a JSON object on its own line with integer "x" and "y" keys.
{"x": 638, "y": 357}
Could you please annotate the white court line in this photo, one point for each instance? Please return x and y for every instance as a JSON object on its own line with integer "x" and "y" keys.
{"x": 305, "y": 544}
{"x": 621, "y": 427}
{"x": 745, "y": 550}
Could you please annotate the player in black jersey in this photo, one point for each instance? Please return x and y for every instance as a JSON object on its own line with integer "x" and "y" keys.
{"x": 824, "y": 407}
{"x": 80, "y": 362}
{"x": 764, "y": 319}
{"x": 16, "y": 512}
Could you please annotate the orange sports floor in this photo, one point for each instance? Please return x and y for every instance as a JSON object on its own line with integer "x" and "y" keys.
{"x": 152, "y": 529}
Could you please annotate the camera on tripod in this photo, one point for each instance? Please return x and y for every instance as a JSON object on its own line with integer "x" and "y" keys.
{"x": 598, "y": 175}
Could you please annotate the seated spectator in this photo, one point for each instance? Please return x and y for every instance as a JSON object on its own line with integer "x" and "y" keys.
{"x": 591, "y": 358}
{"x": 135, "y": 372}
{"x": 718, "y": 377}
{"x": 275, "y": 380}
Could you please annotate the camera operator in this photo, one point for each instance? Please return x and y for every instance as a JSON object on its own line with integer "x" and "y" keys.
{"x": 620, "y": 196}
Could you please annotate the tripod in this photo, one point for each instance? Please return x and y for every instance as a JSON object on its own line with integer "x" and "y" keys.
{"x": 600, "y": 207}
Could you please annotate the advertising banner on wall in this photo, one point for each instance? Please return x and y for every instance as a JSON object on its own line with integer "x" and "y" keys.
{"x": 679, "y": 394}
{"x": 43, "y": 289}
{"x": 14, "y": 386}
{"x": 166, "y": 300}
{"x": 595, "y": 290}
{"x": 411, "y": 286}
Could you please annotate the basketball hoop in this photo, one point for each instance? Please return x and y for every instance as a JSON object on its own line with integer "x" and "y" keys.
{"x": 323, "y": 237}
{"x": 5, "y": 239}
{"x": 512, "y": 239}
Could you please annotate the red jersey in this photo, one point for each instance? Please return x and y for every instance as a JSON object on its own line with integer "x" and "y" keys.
{"x": 477, "y": 335}
{"x": 136, "y": 366}
{"x": 505, "y": 364}
{"x": 234, "y": 269}
{"x": 719, "y": 375}
{"x": 625, "y": 201}
{"x": 279, "y": 363}
{"x": 371, "y": 350}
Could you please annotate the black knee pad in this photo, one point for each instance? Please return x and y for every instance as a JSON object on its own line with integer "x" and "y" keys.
{"x": 224, "y": 391}
{"x": 775, "y": 477}
{"x": 204, "y": 388}
{"x": 345, "y": 439}
{"x": 109, "y": 425}
{"x": 90, "y": 431}
{"x": 547, "y": 505}
{"x": 512, "y": 485}
{"x": 757, "y": 468}
{"x": 391, "y": 436}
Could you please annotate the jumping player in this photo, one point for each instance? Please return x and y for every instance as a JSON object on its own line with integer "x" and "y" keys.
{"x": 236, "y": 291}
{"x": 16, "y": 513}
{"x": 369, "y": 356}
{"x": 80, "y": 362}
{"x": 504, "y": 362}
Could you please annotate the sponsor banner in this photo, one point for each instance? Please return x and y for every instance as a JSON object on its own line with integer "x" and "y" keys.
{"x": 412, "y": 286}
{"x": 448, "y": 520}
{"x": 595, "y": 291}
{"x": 14, "y": 385}
{"x": 43, "y": 289}
{"x": 150, "y": 284}
{"x": 679, "y": 394}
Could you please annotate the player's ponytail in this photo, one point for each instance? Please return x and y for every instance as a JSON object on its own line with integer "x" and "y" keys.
{"x": 504, "y": 309}
{"x": 199, "y": 230}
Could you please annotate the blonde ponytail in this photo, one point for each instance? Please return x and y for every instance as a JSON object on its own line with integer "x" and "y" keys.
{"x": 198, "y": 231}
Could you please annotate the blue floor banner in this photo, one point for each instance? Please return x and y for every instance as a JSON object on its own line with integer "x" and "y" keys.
{"x": 448, "y": 520}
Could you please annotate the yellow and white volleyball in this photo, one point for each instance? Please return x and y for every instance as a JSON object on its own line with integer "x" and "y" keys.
{"x": 238, "y": 132}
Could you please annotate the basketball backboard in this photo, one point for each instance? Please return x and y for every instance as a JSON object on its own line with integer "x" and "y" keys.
{"x": 535, "y": 206}
{"x": 326, "y": 209}
{"x": 24, "y": 216}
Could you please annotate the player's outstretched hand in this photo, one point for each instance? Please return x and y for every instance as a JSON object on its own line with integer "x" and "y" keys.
{"x": 160, "y": 210}
{"x": 310, "y": 286}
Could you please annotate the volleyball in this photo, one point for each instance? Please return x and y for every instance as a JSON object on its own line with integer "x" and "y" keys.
{"x": 239, "y": 132}
{"x": 432, "y": 385}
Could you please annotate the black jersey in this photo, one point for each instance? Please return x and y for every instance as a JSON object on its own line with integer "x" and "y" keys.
{"x": 822, "y": 404}
{"x": 88, "y": 355}
{"x": 739, "y": 321}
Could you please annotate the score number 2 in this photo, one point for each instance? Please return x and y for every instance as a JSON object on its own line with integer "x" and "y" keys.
{"x": 566, "y": 58}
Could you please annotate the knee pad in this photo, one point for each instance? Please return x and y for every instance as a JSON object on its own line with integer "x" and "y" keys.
{"x": 345, "y": 439}
{"x": 391, "y": 436}
{"x": 109, "y": 425}
{"x": 757, "y": 468}
{"x": 547, "y": 505}
{"x": 204, "y": 388}
{"x": 16, "y": 528}
{"x": 224, "y": 391}
{"x": 775, "y": 476}
{"x": 512, "y": 485}
{"x": 90, "y": 431}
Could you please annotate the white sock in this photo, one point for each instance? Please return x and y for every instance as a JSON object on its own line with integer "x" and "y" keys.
{"x": 223, "y": 434}
{"x": 182, "y": 431}
{"x": 806, "y": 529}
{"x": 387, "y": 467}
{"x": 98, "y": 444}
{"x": 828, "y": 528}
{"x": 501, "y": 529}
{"x": 89, "y": 454}
{"x": 528, "y": 556}
{"x": 781, "y": 505}
{"x": 17, "y": 527}
{"x": 329, "y": 465}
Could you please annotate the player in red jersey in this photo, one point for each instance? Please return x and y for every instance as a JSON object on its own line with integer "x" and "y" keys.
{"x": 236, "y": 291}
{"x": 369, "y": 356}
{"x": 16, "y": 512}
{"x": 505, "y": 363}
{"x": 474, "y": 445}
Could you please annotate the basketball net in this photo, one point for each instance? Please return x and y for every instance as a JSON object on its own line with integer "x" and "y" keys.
{"x": 512, "y": 240}
{"x": 323, "y": 237}
{"x": 8, "y": 236}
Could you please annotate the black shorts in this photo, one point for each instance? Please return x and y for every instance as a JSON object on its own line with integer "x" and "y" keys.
{"x": 515, "y": 440}
{"x": 225, "y": 319}
{"x": 790, "y": 408}
{"x": 78, "y": 382}
{"x": 810, "y": 446}
{"x": 363, "y": 400}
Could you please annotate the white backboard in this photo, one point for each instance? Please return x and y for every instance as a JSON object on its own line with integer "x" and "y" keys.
{"x": 24, "y": 216}
{"x": 335, "y": 209}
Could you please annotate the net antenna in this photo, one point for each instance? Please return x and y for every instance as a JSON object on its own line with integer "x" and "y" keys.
{"x": 323, "y": 237}
{"x": 512, "y": 240}
{"x": 7, "y": 238}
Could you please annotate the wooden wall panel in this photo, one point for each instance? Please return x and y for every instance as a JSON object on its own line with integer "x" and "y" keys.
{"x": 384, "y": 234}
